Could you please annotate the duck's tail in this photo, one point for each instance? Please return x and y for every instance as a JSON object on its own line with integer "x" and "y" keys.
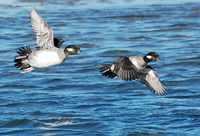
{"x": 20, "y": 60}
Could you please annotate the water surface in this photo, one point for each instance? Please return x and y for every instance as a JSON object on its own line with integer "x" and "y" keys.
{"x": 73, "y": 98}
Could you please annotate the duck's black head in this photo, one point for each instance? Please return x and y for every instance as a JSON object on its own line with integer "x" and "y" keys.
{"x": 152, "y": 56}
{"x": 73, "y": 49}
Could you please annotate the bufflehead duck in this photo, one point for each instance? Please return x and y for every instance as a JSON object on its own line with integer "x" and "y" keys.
{"x": 48, "y": 51}
{"x": 136, "y": 68}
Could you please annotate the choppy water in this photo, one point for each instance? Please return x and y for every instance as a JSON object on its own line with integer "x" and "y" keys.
{"x": 73, "y": 98}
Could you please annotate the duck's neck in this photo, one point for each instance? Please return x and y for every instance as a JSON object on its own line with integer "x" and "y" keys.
{"x": 67, "y": 53}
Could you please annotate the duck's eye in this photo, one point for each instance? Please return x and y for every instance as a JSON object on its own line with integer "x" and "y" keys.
{"x": 155, "y": 55}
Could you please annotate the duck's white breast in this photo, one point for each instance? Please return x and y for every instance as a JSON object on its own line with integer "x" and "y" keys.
{"x": 46, "y": 58}
{"x": 138, "y": 62}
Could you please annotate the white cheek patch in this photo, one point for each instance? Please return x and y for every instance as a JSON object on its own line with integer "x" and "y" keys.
{"x": 70, "y": 49}
{"x": 149, "y": 57}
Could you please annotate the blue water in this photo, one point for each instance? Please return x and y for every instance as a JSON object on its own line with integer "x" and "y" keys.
{"x": 73, "y": 98}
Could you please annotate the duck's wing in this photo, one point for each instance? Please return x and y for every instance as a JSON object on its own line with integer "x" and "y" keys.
{"x": 43, "y": 32}
{"x": 152, "y": 81}
{"x": 122, "y": 68}
{"x": 58, "y": 42}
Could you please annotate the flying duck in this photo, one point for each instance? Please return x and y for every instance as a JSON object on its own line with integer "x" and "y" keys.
{"x": 48, "y": 51}
{"x": 136, "y": 68}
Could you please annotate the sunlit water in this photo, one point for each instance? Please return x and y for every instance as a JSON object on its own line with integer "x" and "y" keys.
{"x": 73, "y": 98}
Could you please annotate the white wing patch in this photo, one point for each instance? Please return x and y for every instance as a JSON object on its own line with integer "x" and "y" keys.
{"x": 112, "y": 67}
